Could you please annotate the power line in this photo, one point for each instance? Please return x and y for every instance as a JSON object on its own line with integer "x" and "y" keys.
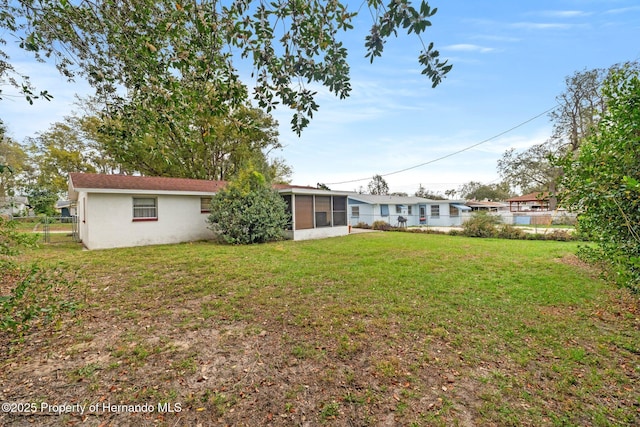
{"x": 455, "y": 152}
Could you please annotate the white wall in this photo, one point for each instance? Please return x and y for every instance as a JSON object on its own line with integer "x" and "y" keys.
{"x": 444, "y": 219}
{"x": 108, "y": 221}
{"x": 318, "y": 233}
{"x": 371, "y": 213}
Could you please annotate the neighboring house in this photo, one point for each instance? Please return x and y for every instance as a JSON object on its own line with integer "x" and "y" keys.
{"x": 537, "y": 202}
{"x": 487, "y": 206}
{"x": 66, "y": 208}
{"x": 122, "y": 211}
{"x": 368, "y": 208}
{"x": 14, "y": 206}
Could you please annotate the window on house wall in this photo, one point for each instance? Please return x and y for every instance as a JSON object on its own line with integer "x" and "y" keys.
{"x": 384, "y": 210}
{"x": 205, "y": 204}
{"x": 339, "y": 210}
{"x": 409, "y": 210}
{"x": 355, "y": 211}
{"x": 453, "y": 211}
{"x": 304, "y": 212}
{"x": 323, "y": 211}
{"x": 435, "y": 211}
{"x": 145, "y": 208}
{"x": 398, "y": 209}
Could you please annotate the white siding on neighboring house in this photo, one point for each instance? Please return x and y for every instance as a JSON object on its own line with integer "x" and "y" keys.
{"x": 416, "y": 210}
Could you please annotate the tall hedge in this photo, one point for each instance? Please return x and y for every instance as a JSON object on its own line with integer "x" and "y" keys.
{"x": 603, "y": 181}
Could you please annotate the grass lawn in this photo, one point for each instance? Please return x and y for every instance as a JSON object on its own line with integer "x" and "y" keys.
{"x": 378, "y": 329}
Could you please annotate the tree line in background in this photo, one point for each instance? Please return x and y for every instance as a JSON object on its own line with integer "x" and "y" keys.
{"x": 39, "y": 167}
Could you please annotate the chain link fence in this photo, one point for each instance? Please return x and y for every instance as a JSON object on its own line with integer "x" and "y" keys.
{"x": 52, "y": 229}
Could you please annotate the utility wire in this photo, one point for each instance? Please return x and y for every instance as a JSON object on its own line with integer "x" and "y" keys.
{"x": 454, "y": 153}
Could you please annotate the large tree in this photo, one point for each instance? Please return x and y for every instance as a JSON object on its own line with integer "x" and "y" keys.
{"x": 580, "y": 108}
{"x": 478, "y": 191}
{"x": 54, "y": 154}
{"x": 531, "y": 170}
{"x": 13, "y": 164}
{"x": 602, "y": 179}
{"x": 378, "y": 186}
{"x": 427, "y": 194}
{"x": 150, "y": 49}
{"x": 204, "y": 144}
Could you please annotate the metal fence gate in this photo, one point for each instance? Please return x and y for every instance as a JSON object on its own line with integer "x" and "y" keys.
{"x": 60, "y": 229}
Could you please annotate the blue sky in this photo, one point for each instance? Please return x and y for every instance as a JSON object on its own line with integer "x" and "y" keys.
{"x": 510, "y": 61}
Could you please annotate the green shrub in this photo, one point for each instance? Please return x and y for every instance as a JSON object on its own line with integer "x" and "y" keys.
{"x": 12, "y": 241}
{"x": 507, "y": 231}
{"x": 560, "y": 235}
{"x": 381, "y": 225}
{"x": 602, "y": 180}
{"x": 39, "y": 296}
{"x": 481, "y": 224}
{"x": 362, "y": 225}
{"x": 248, "y": 211}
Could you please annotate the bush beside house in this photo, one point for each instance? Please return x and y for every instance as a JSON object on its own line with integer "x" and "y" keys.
{"x": 248, "y": 211}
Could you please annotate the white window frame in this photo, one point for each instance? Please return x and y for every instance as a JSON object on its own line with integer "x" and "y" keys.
{"x": 139, "y": 212}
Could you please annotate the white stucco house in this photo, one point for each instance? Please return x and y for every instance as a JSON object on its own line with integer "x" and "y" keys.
{"x": 122, "y": 211}
{"x": 416, "y": 211}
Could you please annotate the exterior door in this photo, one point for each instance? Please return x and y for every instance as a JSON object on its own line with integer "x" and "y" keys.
{"x": 423, "y": 213}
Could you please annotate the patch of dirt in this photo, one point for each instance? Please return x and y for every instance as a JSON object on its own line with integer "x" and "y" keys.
{"x": 574, "y": 261}
{"x": 161, "y": 363}
{"x": 223, "y": 373}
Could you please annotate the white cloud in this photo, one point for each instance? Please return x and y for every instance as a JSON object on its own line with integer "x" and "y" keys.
{"x": 467, "y": 47}
{"x": 541, "y": 26}
{"x": 496, "y": 38}
{"x": 564, "y": 13}
{"x": 623, "y": 10}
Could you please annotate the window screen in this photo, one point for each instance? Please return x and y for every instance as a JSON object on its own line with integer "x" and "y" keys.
{"x": 339, "y": 210}
{"x": 287, "y": 200}
{"x": 145, "y": 208}
{"x": 323, "y": 211}
{"x": 205, "y": 204}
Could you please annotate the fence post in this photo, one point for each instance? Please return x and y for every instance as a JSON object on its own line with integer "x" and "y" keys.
{"x": 45, "y": 229}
